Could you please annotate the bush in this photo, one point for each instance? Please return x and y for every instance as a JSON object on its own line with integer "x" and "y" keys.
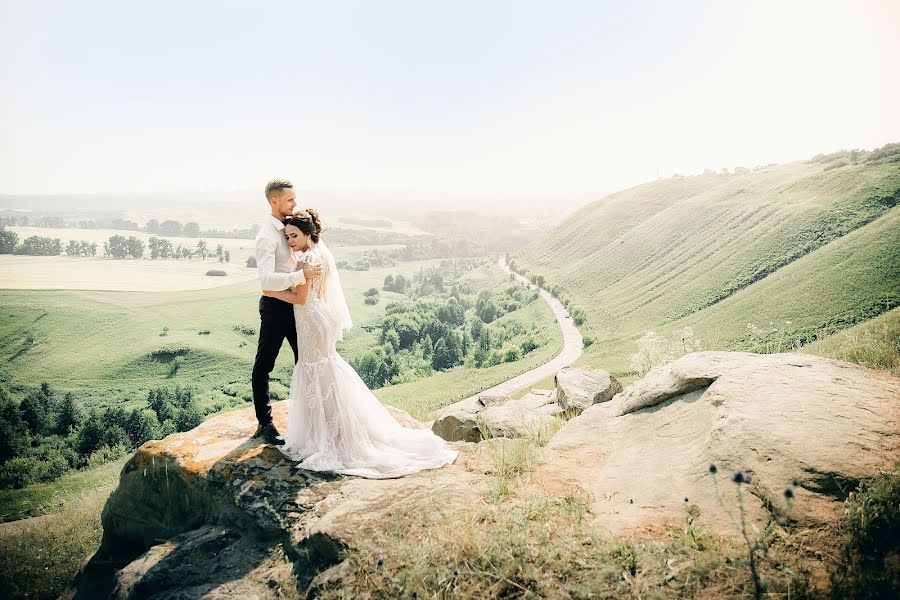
{"x": 870, "y": 555}
{"x": 216, "y": 273}
{"x": 371, "y": 300}
{"x": 251, "y": 262}
{"x": 203, "y": 332}
{"x": 168, "y": 353}
{"x": 245, "y": 329}
{"x": 370, "y": 292}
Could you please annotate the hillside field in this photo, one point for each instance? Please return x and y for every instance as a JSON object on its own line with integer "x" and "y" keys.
{"x": 766, "y": 261}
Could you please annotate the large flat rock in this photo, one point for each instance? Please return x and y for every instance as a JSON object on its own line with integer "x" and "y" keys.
{"x": 776, "y": 417}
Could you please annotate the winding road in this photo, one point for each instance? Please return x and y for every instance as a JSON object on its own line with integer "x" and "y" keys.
{"x": 571, "y": 348}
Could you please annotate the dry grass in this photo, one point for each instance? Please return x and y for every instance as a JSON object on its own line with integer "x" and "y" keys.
{"x": 538, "y": 546}
{"x": 40, "y": 556}
{"x": 874, "y": 344}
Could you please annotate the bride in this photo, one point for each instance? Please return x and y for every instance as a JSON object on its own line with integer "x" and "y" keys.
{"x": 335, "y": 423}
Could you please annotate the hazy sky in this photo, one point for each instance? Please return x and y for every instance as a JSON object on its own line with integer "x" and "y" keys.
{"x": 489, "y": 96}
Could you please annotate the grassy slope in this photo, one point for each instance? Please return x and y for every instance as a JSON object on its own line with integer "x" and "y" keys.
{"x": 718, "y": 252}
{"x": 874, "y": 343}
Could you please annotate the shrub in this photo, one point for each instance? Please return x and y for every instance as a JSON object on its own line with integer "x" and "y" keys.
{"x": 251, "y": 262}
{"x": 216, "y": 273}
{"x": 245, "y": 329}
{"x": 168, "y": 353}
{"x": 203, "y": 332}
{"x": 869, "y": 556}
{"x": 371, "y": 300}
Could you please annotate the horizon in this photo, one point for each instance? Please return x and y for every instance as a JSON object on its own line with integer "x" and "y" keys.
{"x": 485, "y": 103}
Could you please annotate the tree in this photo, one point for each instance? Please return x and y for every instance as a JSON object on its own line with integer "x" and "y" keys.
{"x": 117, "y": 247}
{"x": 170, "y": 228}
{"x": 135, "y": 247}
{"x": 251, "y": 262}
{"x": 89, "y": 436}
{"x": 427, "y": 347}
{"x": 392, "y": 339}
{"x": 70, "y": 415}
{"x": 8, "y": 241}
{"x": 14, "y": 435}
{"x": 191, "y": 230}
{"x": 477, "y": 327}
{"x": 72, "y": 248}
{"x": 452, "y": 313}
{"x": 93, "y": 249}
{"x": 440, "y": 359}
{"x": 152, "y": 226}
{"x": 153, "y": 245}
{"x": 454, "y": 348}
{"x": 220, "y": 253}
{"x": 141, "y": 426}
{"x": 40, "y": 246}
{"x": 201, "y": 250}
{"x": 227, "y": 256}
{"x": 388, "y": 283}
{"x": 164, "y": 248}
{"x": 35, "y": 409}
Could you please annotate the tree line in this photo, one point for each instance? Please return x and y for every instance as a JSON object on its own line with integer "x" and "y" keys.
{"x": 46, "y": 434}
{"x": 118, "y": 246}
{"x": 419, "y": 337}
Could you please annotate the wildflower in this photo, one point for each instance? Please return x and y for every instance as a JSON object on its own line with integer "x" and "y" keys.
{"x": 739, "y": 477}
{"x": 795, "y": 483}
{"x": 685, "y": 499}
{"x": 713, "y": 469}
{"x": 380, "y": 562}
{"x": 789, "y": 493}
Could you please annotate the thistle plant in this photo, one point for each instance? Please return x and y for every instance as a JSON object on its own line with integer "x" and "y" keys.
{"x": 755, "y": 544}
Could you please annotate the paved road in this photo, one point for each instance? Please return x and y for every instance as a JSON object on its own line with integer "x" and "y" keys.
{"x": 571, "y": 350}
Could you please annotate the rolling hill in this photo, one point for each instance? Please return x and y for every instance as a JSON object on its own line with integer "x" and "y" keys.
{"x": 760, "y": 261}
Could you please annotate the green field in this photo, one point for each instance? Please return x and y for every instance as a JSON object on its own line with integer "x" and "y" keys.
{"x": 768, "y": 260}
{"x": 97, "y": 344}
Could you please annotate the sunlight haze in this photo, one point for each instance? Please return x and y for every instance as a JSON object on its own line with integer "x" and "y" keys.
{"x": 464, "y": 98}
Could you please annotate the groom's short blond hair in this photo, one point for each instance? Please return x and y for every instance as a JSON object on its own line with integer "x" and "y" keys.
{"x": 276, "y": 186}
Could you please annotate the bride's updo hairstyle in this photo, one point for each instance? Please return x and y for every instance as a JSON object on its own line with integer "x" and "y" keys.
{"x": 307, "y": 221}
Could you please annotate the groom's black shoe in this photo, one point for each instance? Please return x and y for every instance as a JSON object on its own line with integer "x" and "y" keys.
{"x": 270, "y": 434}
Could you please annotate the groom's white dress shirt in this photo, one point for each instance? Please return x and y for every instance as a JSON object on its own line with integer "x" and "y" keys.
{"x": 274, "y": 260}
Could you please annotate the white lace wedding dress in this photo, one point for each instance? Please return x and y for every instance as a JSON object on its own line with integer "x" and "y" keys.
{"x": 335, "y": 423}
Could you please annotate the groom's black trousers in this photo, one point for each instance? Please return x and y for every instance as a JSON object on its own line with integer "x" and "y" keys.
{"x": 276, "y": 323}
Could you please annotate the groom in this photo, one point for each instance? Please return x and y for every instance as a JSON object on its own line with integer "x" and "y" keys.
{"x": 275, "y": 269}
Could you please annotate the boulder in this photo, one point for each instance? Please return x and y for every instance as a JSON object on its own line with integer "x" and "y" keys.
{"x": 457, "y": 422}
{"x": 532, "y": 415}
{"x": 775, "y": 417}
{"x": 482, "y": 417}
{"x": 577, "y": 389}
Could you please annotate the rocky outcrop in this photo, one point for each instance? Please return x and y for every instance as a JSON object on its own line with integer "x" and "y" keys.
{"x": 484, "y": 417}
{"x": 577, "y": 389}
{"x": 776, "y": 417}
{"x": 216, "y": 513}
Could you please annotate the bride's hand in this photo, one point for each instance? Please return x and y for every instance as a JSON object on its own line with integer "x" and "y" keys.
{"x": 312, "y": 271}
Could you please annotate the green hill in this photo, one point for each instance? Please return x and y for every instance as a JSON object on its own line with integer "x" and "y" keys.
{"x": 758, "y": 261}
